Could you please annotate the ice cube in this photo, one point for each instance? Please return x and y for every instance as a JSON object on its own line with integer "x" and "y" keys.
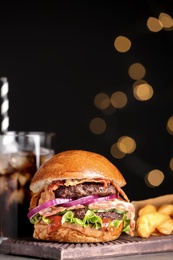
{"x": 5, "y": 167}
{"x": 16, "y": 196}
{"x": 22, "y": 160}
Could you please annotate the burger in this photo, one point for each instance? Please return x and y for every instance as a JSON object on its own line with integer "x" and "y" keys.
{"x": 77, "y": 198}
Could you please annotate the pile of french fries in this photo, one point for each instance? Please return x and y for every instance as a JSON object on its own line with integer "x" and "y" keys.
{"x": 152, "y": 220}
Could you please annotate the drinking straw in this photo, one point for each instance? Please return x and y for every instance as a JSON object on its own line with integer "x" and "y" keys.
{"x": 4, "y": 105}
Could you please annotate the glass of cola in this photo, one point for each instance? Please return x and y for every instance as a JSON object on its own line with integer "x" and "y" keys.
{"x": 21, "y": 154}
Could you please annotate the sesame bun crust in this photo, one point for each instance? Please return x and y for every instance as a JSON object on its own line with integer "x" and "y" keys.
{"x": 75, "y": 164}
{"x": 72, "y": 233}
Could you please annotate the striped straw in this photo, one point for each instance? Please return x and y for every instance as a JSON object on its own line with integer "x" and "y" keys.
{"x": 4, "y": 105}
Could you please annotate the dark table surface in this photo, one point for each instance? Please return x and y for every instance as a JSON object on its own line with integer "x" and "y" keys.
{"x": 154, "y": 248}
{"x": 156, "y": 256}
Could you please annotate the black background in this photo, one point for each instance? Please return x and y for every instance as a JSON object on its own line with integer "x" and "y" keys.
{"x": 57, "y": 55}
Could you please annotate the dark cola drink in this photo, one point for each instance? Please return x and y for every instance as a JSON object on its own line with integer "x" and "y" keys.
{"x": 16, "y": 171}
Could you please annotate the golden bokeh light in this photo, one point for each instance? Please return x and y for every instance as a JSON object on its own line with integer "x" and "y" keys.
{"x": 115, "y": 152}
{"x": 97, "y": 125}
{"x": 102, "y": 101}
{"x": 154, "y": 178}
{"x": 126, "y": 144}
{"x": 154, "y": 25}
{"x": 169, "y": 125}
{"x": 142, "y": 91}
{"x": 122, "y": 44}
{"x": 118, "y": 99}
{"x": 166, "y": 21}
{"x": 171, "y": 164}
{"x": 137, "y": 71}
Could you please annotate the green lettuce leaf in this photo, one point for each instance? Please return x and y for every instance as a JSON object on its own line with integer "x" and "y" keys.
{"x": 126, "y": 225}
{"x": 89, "y": 218}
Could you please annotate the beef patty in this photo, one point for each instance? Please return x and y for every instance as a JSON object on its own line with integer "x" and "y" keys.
{"x": 80, "y": 213}
{"x": 85, "y": 189}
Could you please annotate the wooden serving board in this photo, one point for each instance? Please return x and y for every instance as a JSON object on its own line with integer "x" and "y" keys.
{"x": 124, "y": 245}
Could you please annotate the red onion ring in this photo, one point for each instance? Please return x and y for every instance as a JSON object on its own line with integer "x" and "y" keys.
{"x": 45, "y": 205}
{"x": 69, "y": 203}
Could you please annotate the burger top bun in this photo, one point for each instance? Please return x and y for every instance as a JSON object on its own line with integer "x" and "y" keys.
{"x": 75, "y": 164}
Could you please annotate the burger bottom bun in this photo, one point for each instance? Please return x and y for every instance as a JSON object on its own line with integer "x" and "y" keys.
{"x": 73, "y": 233}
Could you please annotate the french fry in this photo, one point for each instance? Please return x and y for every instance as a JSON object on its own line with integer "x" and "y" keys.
{"x": 166, "y": 208}
{"x": 147, "y": 209}
{"x": 166, "y": 227}
{"x": 154, "y": 216}
{"x": 147, "y": 223}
